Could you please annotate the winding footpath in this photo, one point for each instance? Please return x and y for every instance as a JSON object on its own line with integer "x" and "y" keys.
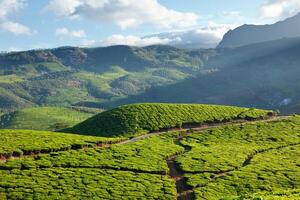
{"x": 184, "y": 191}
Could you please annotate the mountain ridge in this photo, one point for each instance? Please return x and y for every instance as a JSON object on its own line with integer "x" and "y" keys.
{"x": 249, "y": 34}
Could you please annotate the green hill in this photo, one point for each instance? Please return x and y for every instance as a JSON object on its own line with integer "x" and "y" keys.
{"x": 44, "y": 118}
{"x": 135, "y": 119}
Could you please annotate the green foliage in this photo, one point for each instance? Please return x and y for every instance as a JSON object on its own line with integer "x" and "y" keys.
{"x": 69, "y": 76}
{"x": 9, "y": 100}
{"x": 75, "y": 183}
{"x": 136, "y": 119}
{"x": 292, "y": 194}
{"x": 10, "y": 78}
{"x": 241, "y": 160}
{"x": 249, "y": 76}
{"x": 250, "y": 161}
{"x": 148, "y": 155}
{"x": 139, "y": 172}
{"x": 20, "y": 141}
{"x": 43, "y": 118}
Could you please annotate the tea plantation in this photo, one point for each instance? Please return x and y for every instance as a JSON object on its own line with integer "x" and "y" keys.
{"x": 18, "y": 142}
{"x": 131, "y": 120}
{"x": 241, "y": 160}
{"x": 238, "y": 154}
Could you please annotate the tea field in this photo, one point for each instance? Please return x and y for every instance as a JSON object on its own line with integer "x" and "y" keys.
{"x": 18, "y": 142}
{"x": 135, "y": 119}
{"x": 241, "y": 160}
{"x": 239, "y": 154}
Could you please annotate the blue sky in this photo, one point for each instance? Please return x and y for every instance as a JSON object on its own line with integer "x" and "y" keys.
{"x": 31, "y": 24}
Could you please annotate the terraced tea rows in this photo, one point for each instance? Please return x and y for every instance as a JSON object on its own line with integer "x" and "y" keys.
{"x": 242, "y": 160}
{"x": 19, "y": 142}
{"x": 247, "y": 160}
{"x": 146, "y": 156}
{"x": 62, "y": 183}
{"x": 137, "y": 119}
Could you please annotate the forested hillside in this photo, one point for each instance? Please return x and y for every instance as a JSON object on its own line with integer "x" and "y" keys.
{"x": 78, "y": 76}
{"x": 264, "y": 75}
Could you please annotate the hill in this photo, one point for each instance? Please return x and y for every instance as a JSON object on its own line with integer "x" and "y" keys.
{"x": 212, "y": 163}
{"x": 249, "y": 34}
{"x": 44, "y": 118}
{"x": 84, "y": 76}
{"x": 263, "y": 75}
{"x": 131, "y": 120}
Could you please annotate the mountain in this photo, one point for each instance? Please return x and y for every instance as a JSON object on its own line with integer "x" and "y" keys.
{"x": 249, "y": 34}
{"x": 263, "y": 75}
{"x": 84, "y": 76}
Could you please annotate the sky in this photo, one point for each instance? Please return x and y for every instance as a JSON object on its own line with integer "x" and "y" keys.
{"x": 39, "y": 24}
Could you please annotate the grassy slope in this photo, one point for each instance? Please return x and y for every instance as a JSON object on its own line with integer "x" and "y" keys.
{"x": 43, "y": 118}
{"x": 136, "y": 119}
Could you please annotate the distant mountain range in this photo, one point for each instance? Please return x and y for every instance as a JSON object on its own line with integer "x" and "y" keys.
{"x": 261, "y": 74}
{"x": 249, "y": 34}
{"x": 264, "y": 75}
{"x": 71, "y": 75}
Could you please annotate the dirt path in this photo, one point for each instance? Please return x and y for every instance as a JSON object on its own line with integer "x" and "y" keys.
{"x": 184, "y": 191}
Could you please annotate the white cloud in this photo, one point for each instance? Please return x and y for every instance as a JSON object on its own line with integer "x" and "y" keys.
{"x": 16, "y": 28}
{"x": 124, "y": 13}
{"x": 207, "y": 37}
{"x": 64, "y": 32}
{"x": 279, "y": 9}
{"x": 66, "y": 8}
{"x": 9, "y": 7}
{"x": 125, "y": 40}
